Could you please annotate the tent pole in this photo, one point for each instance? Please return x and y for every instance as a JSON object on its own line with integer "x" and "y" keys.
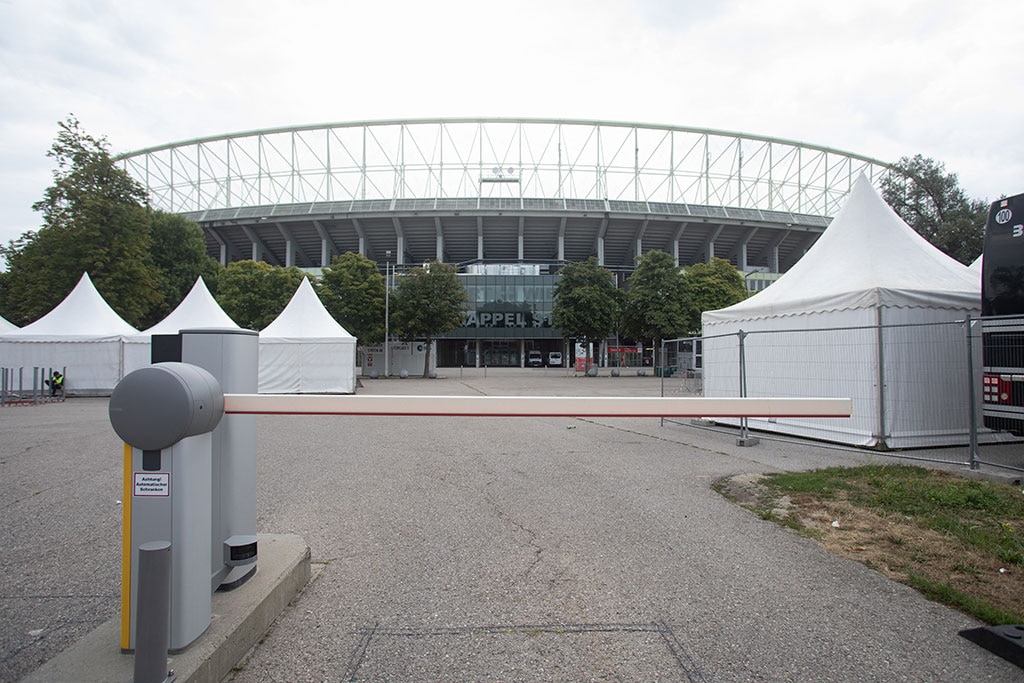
{"x": 881, "y": 381}
{"x": 745, "y": 438}
{"x": 972, "y": 398}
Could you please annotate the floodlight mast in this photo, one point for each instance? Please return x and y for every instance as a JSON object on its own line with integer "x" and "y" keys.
{"x": 387, "y": 314}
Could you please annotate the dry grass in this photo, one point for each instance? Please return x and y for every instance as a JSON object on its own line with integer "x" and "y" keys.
{"x": 958, "y": 542}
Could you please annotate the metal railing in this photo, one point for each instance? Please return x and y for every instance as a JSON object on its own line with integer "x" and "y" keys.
{"x": 28, "y": 386}
{"x": 917, "y": 387}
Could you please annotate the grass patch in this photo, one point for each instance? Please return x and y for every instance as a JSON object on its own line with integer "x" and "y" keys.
{"x": 948, "y": 595}
{"x": 958, "y": 541}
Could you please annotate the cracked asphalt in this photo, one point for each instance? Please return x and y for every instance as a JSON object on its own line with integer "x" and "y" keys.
{"x": 489, "y": 549}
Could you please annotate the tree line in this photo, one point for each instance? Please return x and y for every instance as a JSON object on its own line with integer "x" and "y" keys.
{"x": 97, "y": 219}
{"x": 662, "y": 300}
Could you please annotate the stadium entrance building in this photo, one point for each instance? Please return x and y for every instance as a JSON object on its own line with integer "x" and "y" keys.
{"x": 509, "y": 316}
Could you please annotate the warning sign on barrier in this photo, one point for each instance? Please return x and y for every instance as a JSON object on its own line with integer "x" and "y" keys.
{"x": 152, "y": 484}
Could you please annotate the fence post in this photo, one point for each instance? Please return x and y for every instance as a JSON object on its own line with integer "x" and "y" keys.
{"x": 972, "y": 397}
{"x": 745, "y": 439}
{"x": 661, "y": 351}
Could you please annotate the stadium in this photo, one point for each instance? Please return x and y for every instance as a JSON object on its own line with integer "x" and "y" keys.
{"x": 508, "y": 201}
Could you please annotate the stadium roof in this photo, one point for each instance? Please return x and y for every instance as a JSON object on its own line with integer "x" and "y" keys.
{"x": 502, "y": 190}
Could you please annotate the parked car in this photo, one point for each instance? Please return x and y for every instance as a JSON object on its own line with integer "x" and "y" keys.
{"x": 555, "y": 359}
{"x": 534, "y": 359}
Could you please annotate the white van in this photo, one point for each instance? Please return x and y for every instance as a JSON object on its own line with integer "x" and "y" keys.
{"x": 535, "y": 359}
{"x": 555, "y": 359}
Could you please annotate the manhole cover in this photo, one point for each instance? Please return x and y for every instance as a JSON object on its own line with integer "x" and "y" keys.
{"x": 594, "y": 652}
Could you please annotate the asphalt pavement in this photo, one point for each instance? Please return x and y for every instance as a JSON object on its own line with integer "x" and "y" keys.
{"x": 489, "y": 549}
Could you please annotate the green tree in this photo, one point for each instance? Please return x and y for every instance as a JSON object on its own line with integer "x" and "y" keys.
{"x": 352, "y": 290}
{"x": 93, "y": 221}
{"x": 253, "y": 293}
{"x": 428, "y": 301}
{"x": 656, "y": 304}
{"x": 179, "y": 252}
{"x": 587, "y": 303}
{"x": 932, "y": 203}
{"x": 711, "y": 286}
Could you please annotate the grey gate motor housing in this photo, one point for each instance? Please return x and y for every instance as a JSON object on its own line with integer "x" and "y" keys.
{"x": 157, "y": 406}
{"x": 232, "y": 356}
{"x": 166, "y": 413}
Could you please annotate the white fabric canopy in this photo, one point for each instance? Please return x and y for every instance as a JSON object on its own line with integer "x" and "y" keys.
{"x": 6, "y": 325}
{"x": 304, "y": 350}
{"x": 197, "y": 310}
{"x": 867, "y": 258}
{"x": 82, "y": 333}
{"x": 868, "y": 270}
{"x": 82, "y": 313}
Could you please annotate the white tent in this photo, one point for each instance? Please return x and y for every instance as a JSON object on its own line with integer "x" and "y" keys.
{"x": 82, "y": 333}
{"x": 858, "y": 316}
{"x": 304, "y": 351}
{"x": 198, "y": 309}
{"x": 6, "y": 325}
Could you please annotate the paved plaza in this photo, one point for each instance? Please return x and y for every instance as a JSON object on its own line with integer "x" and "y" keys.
{"x": 489, "y": 549}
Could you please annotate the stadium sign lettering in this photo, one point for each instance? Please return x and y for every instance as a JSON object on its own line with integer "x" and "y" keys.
{"x": 503, "y": 319}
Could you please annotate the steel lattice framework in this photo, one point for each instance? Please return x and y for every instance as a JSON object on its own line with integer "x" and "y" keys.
{"x": 315, "y": 183}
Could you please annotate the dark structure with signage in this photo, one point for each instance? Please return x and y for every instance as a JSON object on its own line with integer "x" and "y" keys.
{"x": 1002, "y": 304}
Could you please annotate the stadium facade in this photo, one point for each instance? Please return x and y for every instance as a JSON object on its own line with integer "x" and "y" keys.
{"x": 507, "y": 200}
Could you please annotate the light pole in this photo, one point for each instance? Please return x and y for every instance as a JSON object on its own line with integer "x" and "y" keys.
{"x": 387, "y": 313}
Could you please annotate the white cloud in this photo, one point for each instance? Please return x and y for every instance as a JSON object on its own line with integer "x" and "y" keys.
{"x": 879, "y": 78}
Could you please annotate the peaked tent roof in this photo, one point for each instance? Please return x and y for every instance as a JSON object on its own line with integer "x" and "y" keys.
{"x": 82, "y": 313}
{"x": 868, "y": 257}
{"x": 197, "y": 309}
{"x": 304, "y": 318}
{"x": 6, "y": 325}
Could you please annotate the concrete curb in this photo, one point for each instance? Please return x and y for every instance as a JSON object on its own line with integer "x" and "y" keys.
{"x": 240, "y": 618}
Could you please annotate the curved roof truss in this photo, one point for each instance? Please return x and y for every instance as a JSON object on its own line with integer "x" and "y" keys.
{"x": 495, "y": 158}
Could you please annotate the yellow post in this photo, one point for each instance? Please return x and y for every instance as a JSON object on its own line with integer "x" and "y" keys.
{"x": 126, "y": 551}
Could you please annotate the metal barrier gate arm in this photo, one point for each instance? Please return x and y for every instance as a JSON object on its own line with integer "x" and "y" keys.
{"x": 535, "y": 406}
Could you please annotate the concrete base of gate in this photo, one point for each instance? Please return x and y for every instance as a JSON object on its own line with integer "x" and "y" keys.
{"x": 240, "y": 618}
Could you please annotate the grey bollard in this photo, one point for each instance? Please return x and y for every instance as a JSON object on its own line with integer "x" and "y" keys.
{"x": 152, "y": 633}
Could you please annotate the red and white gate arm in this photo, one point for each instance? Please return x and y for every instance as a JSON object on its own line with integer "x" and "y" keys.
{"x": 535, "y": 406}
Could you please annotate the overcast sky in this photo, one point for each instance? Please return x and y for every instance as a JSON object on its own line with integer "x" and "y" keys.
{"x": 882, "y": 78}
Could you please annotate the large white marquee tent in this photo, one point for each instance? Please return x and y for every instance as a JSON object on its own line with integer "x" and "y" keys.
{"x": 305, "y": 351}
{"x": 82, "y": 333}
{"x": 6, "y": 325}
{"x": 857, "y": 317}
{"x": 197, "y": 310}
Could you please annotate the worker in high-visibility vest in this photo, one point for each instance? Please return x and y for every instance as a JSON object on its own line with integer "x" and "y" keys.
{"x": 56, "y": 383}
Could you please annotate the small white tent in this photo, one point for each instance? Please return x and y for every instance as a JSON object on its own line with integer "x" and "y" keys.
{"x": 82, "y": 333}
{"x": 305, "y": 351}
{"x": 854, "y": 318}
{"x": 198, "y": 309}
